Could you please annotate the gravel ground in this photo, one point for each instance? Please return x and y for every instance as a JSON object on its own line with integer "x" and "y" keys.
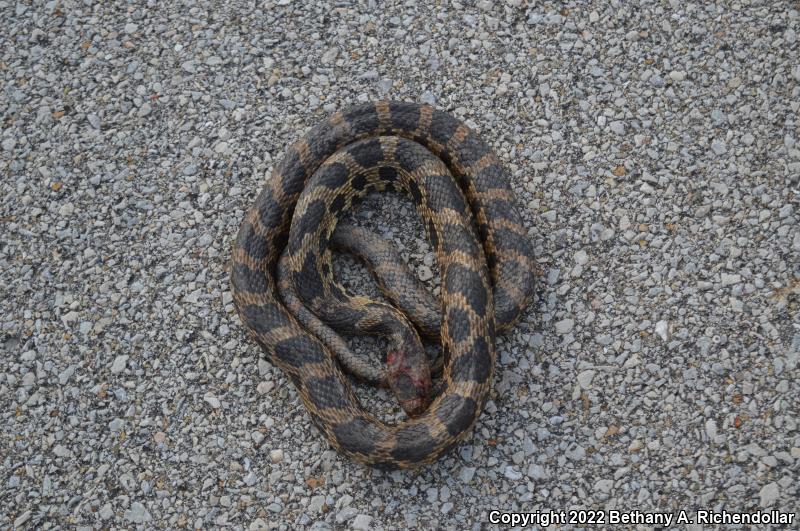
{"x": 654, "y": 151}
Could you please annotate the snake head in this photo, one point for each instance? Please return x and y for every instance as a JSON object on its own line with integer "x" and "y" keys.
{"x": 410, "y": 380}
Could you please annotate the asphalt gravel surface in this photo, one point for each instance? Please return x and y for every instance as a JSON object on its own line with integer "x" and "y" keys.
{"x": 654, "y": 152}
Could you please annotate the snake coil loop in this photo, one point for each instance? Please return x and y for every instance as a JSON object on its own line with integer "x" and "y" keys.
{"x": 487, "y": 279}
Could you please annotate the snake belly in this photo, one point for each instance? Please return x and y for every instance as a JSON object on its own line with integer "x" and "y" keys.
{"x": 485, "y": 284}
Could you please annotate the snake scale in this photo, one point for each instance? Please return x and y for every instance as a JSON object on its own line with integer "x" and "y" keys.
{"x": 487, "y": 274}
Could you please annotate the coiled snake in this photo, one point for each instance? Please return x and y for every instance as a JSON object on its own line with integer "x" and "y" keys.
{"x": 487, "y": 280}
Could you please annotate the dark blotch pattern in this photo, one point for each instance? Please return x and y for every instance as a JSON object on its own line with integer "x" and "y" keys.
{"x": 457, "y": 324}
{"x": 433, "y": 235}
{"x": 388, "y": 174}
{"x": 457, "y": 413}
{"x": 307, "y": 281}
{"x": 374, "y": 328}
{"x": 405, "y": 116}
{"x": 442, "y": 127}
{"x": 447, "y": 197}
{"x": 308, "y": 223}
{"x": 413, "y": 189}
{"x": 374, "y": 310}
{"x": 475, "y": 364}
{"x": 500, "y": 209}
{"x": 338, "y": 204}
{"x": 322, "y": 246}
{"x": 514, "y": 240}
{"x": 447, "y": 158}
{"x": 264, "y": 318}
{"x": 357, "y": 436}
{"x": 293, "y": 172}
{"x": 489, "y": 177}
{"x": 324, "y": 140}
{"x": 254, "y": 244}
{"x": 368, "y": 154}
{"x": 338, "y": 293}
{"x": 483, "y": 231}
{"x": 299, "y": 350}
{"x": 463, "y": 280}
{"x": 458, "y": 240}
{"x": 413, "y": 443}
{"x": 361, "y": 123}
{"x": 326, "y": 392}
{"x": 333, "y": 176}
{"x": 255, "y": 280}
{"x": 358, "y": 183}
{"x": 297, "y": 381}
{"x": 344, "y": 322}
{"x": 472, "y": 149}
{"x": 506, "y": 307}
{"x": 491, "y": 261}
{"x": 410, "y": 156}
{"x": 269, "y": 212}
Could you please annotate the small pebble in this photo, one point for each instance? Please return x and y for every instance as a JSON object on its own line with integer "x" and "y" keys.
{"x": 662, "y": 330}
{"x": 512, "y": 473}
{"x": 564, "y": 326}
{"x": 711, "y": 429}
{"x": 719, "y": 147}
{"x": 212, "y": 401}
{"x": 585, "y": 378}
{"x": 119, "y": 364}
{"x": 604, "y": 485}
{"x": 424, "y": 272}
{"x": 362, "y": 522}
{"x": 769, "y": 494}
{"x": 466, "y": 474}
{"x": 677, "y": 75}
{"x": 138, "y": 514}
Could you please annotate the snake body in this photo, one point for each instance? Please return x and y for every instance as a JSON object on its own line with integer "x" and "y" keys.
{"x": 486, "y": 280}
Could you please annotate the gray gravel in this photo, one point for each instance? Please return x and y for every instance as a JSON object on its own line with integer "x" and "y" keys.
{"x": 654, "y": 150}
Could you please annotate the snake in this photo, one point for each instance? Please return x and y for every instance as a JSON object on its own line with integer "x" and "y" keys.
{"x": 319, "y": 303}
{"x": 485, "y": 257}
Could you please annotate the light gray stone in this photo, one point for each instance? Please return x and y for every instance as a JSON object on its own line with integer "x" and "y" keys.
{"x": 362, "y": 522}
{"x": 119, "y": 364}
{"x": 768, "y": 494}
{"x": 564, "y": 326}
